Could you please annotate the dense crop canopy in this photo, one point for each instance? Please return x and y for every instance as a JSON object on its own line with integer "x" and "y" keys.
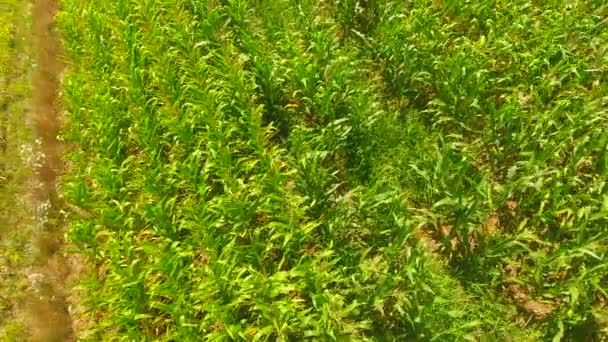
{"x": 339, "y": 170}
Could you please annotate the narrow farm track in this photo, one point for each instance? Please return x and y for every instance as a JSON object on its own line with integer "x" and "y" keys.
{"x": 48, "y": 307}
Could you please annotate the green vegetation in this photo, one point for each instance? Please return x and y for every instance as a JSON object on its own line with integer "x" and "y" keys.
{"x": 16, "y": 159}
{"x": 339, "y": 170}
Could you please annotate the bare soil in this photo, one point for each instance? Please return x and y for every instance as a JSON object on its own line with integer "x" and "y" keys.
{"x": 48, "y": 308}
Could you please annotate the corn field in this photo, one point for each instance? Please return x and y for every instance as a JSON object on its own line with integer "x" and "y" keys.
{"x": 257, "y": 170}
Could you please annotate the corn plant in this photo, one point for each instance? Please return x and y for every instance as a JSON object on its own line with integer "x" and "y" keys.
{"x": 338, "y": 170}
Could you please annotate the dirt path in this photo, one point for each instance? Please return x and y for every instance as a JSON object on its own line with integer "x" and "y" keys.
{"x": 48, "y": 308}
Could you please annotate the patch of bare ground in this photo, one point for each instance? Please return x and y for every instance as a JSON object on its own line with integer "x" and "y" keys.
{"x": 47, "y": 307}
{"x": 537, "y": 309}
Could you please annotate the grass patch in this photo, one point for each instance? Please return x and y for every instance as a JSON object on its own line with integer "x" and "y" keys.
{"x": 16, "y": 153}
{"x": 339, "y": 170}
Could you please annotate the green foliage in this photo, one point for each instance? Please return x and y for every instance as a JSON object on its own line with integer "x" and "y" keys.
{"x": 17, "y": 156}
{"x": 343, "y": 170}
